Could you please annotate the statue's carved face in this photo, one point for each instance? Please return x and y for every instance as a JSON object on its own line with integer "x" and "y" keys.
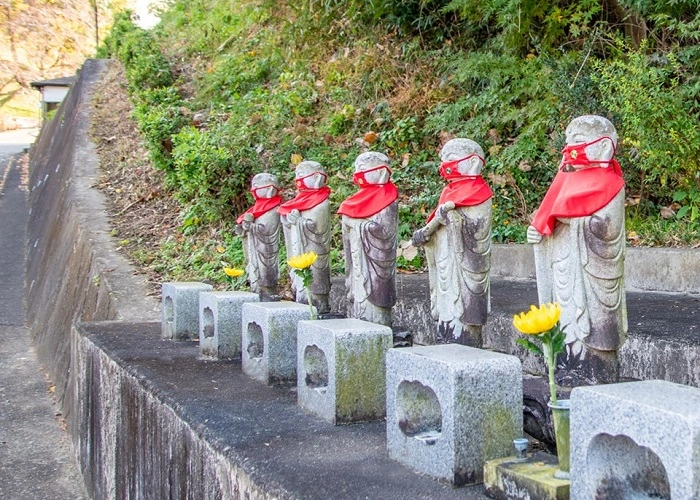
{"x": 371, "y": 168}
{"x": 592, "y": 137}
{"x": 309, "y": 175}
{"x": 264, "y": 186}
{"x": 464, "y": 155}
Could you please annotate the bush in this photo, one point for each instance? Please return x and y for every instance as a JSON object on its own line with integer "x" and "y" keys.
{"x": 658, "y": 128}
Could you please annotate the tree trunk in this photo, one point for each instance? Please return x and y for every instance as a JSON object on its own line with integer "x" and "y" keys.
{"x": 635, "y": 27}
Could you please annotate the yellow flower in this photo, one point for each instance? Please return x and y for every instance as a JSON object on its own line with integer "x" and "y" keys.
{"x": 233, "y": 272}
{"x": 538, "y": 320}
{"x": 302, "y": 261}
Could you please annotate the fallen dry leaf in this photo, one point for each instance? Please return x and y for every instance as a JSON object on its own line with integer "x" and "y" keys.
{"x": 666, "y": 212}
{"x": 296, "y": 159}
{"x": 370, "y": 137}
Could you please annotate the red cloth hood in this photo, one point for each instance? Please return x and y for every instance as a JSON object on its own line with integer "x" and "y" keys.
{"x": 578, "y": 194}
{"x": 467, "y": 192}
{"x": 261, "y": 206}
{"x": 369, "y": 200}
{"x": 305, "y": 200}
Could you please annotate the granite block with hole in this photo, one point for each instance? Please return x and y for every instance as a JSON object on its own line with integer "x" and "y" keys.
{"x": 269, "y": 340}
{"x": 635, "y": 440}
{"x": 180, "y": 314}
{"x": 220, "y": 316}
{"x": 341, "y": 369}
{"x": 450, "y": 408}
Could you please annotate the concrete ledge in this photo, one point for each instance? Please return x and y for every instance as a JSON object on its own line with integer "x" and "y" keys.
{"x": 153, "y": 421}
{"x": 673, "y": 270}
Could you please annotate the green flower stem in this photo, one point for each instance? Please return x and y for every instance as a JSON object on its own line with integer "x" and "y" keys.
{"x": 552, "y": 345}
{"x": 307, "y": 278}
{"x": 311, "y": 306}
{"x": 551, "y": 360}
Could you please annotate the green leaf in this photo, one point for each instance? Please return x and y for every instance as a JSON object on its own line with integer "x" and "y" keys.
{"x": 679, "y": 195}
{"x": 530, "y": 346}
{"x": 558, "y": 340}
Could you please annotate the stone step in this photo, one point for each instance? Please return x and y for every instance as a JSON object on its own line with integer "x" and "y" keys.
{"x": 664, "y": 328}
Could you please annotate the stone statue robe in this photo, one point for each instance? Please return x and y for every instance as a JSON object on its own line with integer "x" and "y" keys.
{"x": 311, "y": 233}
{"x": 581, "y": 266}
{"x": 261, "y": 250}
{"x": 370, "y": 264}
{"x": 459, "y": 262}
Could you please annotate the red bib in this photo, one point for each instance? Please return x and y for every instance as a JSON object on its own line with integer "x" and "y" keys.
{"x": 261, "y": 206}
{"x": 305, "y": 200}
{"x": 369, "y": 200}
{"x": 467, "y": 192}
{"x": 578, "y": 194}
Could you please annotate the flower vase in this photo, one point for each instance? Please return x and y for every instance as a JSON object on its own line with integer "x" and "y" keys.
{"x": 560, "y": 415}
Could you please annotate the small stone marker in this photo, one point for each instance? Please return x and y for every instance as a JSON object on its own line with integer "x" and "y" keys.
{"x": 341, "y": 369}
{"x": 220, "y": 316}
{"x": 450, "y": 408}
{"x": 180, "y": 308}
{"x": 269, "y": 340}
{"x": 635, "y": 440}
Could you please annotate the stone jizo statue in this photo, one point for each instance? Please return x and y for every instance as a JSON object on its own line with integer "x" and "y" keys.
{"x": 370, "y": 228}
{"x": 306, "y": 224}
{"x": 579, "y": 237}
{"x": 457, "y": 243}
{"x": 259, "y": 227}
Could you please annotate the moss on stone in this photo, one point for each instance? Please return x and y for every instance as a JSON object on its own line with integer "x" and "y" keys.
{"x": 361, "y": 379}
{"x": 499, "y": 431}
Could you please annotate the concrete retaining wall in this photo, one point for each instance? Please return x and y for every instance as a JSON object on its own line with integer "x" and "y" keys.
{"x": 74, "y": 272}
{"x": 132, "y": 443}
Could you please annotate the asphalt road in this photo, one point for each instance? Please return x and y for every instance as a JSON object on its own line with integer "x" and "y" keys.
{"x": 35, "y": 457}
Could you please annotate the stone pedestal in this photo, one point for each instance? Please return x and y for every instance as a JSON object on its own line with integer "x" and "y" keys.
{"x": 269, "y": 340}
{"x": 341, "y": 370}
{"x": 220, "y": 316}
{"x": 450, "y": 408}
{"x": 180, "y": 308}
{"x": 506, "y": 478}
{"x": 635, "y": 440}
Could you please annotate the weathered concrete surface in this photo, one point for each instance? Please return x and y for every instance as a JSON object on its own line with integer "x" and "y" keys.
{"x": 74, "y": 272}
{"x": 35, "y": 458}
{"x": 674, "y": 270}
{"x": 153, "y": 421}
{"x": 663, "y": 340}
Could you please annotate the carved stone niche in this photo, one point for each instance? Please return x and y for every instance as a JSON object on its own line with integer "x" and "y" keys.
{"x": 450, "y": 408}
{"x": 635, "y": 440}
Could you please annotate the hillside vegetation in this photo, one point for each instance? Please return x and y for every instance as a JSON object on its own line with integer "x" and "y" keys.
{"x": 223, "y": 89}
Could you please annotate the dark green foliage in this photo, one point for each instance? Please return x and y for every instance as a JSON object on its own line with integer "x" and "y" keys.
{"x": 661, "y": 130}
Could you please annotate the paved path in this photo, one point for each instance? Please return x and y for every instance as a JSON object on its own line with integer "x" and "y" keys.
{"x": 35, "y": 458}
